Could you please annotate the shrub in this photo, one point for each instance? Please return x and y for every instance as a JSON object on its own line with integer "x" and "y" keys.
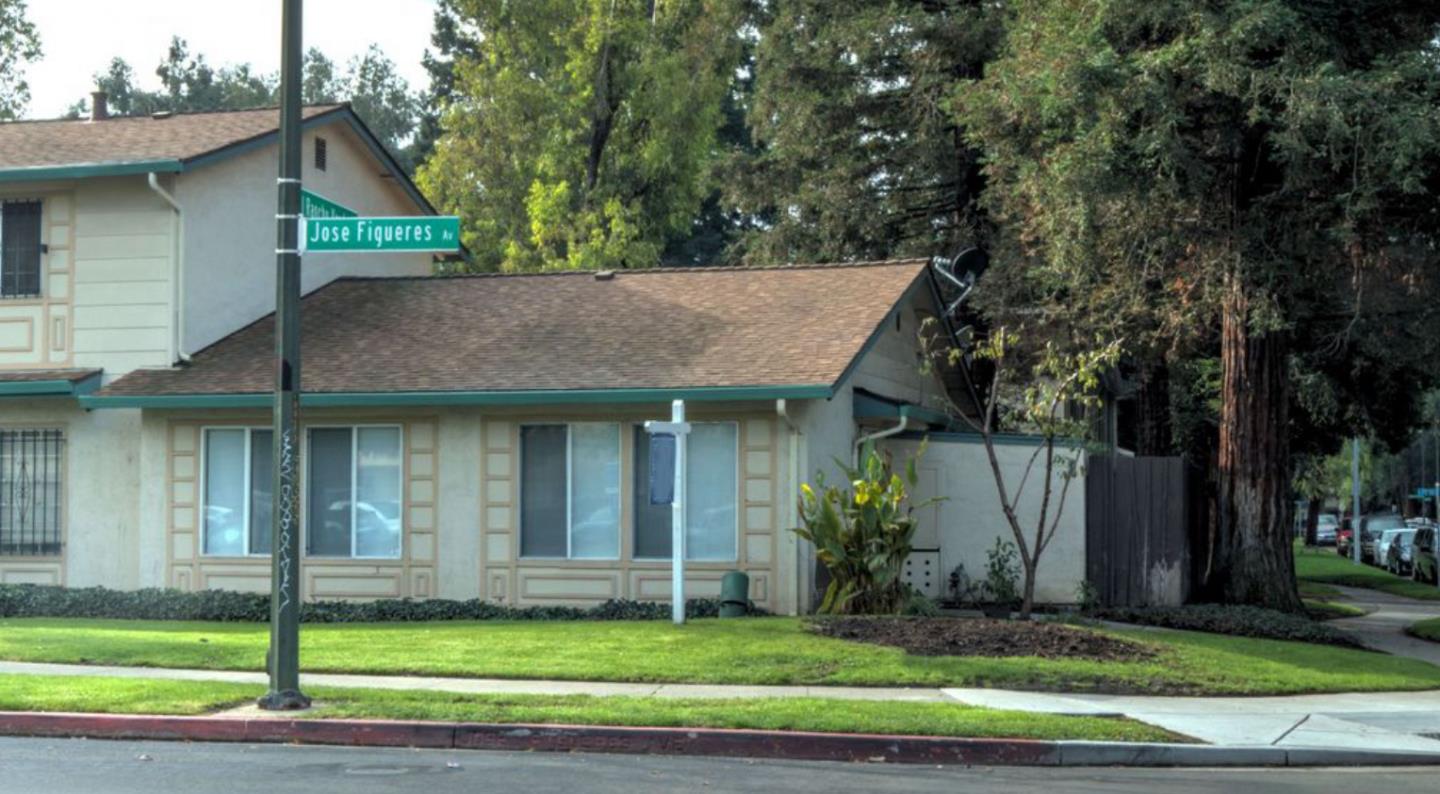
{"x": 43, "y": 601}
{"x": 862, "y": 536}
{"x": 1239, "y": 621}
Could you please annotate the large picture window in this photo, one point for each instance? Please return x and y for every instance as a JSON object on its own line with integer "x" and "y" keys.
{"x": 19, "y": 249}
{"x": 353, "y": 492}
{"x": 237, "y": 491}
{"x": 711, "y": 491}
{"x": 570, "y": 490}
{"x": 30, "y": 492}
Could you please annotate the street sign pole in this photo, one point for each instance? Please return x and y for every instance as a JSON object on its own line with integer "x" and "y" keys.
{"x": 284, "y": 656}
{"x": 680, "y": 429}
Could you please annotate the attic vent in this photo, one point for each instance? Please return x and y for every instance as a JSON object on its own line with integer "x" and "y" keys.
{"x": 604, "y": 275}
{"x": 319, "y": 154}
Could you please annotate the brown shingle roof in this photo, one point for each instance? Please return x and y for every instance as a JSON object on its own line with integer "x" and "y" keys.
{"x": 650, "y": 329}
{"x": 31, "y": 375}
{"x": 182, "y": 136}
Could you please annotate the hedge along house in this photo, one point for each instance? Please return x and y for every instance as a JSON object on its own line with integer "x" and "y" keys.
{"x": 480, "y": 436}
{"x": 126, "y": 243}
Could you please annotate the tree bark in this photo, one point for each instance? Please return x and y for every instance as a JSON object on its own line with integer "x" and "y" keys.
{"x": 1312, "y": 521}
{"x": 1152, "y": 403}
{"x": 1253, "y": 560}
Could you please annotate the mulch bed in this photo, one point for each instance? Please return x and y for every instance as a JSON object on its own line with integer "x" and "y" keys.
{"x": 984, "y": 637}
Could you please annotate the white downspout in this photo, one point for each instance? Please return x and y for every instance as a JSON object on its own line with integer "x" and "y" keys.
{"x": 177, "y": 273}
{"x": 879, "y": 434}
{"x": 792, "y": 512}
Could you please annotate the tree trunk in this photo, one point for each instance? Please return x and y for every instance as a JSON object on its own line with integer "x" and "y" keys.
{"x": 1312, "y": 521}
{"x": 1027, "y": 603}
{"x": 1253, "y": 560}
{"x": 1152, "y": 404}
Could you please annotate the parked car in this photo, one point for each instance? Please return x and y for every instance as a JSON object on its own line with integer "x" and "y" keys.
{"x": 1342, "y": 542}
{"x": 1399, "y": 554}
{"x": 1325, "y": 528}
{"x": 1382, "y": 545}
{"x": 1371, "y": 530}
{"x": 1422, "y": 568}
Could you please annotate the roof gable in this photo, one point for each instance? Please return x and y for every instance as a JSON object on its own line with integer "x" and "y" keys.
{"x": 173, "y": 143}
{"x": 703, "y": 330}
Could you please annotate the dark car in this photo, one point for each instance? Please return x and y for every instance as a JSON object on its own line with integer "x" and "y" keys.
{"x": 1342, "y": 542}
{"x": 1371, "y": 528}
{"x": 1422, "y": 553}
{"x": 1401, "y": 552}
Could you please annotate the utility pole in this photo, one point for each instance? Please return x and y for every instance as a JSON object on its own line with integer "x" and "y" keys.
{"x": 1355, "y": 539}
{"x": 679, "y": 430}
{"x": 284, "y": 657}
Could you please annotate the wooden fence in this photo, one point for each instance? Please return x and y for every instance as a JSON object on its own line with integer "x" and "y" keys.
{"x": 1140, "y": 513}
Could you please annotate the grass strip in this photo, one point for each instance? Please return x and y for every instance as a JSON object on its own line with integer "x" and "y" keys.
{"x": 751, "y": 651}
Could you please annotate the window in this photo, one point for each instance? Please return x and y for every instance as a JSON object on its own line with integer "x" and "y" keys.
{"x": 30, "y": 492}
{"x": 320, "y": 154}
{"x": 570, "y": 491}
{"x": 711, "y": 489}
{"x": 353, "y": 498}
{"x": 237, "y": 475}
{"x": 19, "y": 249}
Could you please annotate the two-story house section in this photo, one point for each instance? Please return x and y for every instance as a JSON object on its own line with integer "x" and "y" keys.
{"x": 127, "y": 243}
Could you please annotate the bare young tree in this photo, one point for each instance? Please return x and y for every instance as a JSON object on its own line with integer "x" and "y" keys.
{"x": 1051, "y": 399}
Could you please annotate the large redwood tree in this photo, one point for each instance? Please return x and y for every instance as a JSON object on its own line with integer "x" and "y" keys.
{"x": 1255, "y": 178}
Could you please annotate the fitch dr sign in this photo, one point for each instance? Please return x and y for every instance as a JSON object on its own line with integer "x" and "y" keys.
{"x": 417, "y": 233}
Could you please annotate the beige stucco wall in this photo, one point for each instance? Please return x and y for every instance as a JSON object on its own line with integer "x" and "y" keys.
{"x": 462, "y": 518}
{"x": 101, "y": 481}
{"x": 229, "y": 230}
{"x": 105, "y": 279}
{"x": 965, "y": 525}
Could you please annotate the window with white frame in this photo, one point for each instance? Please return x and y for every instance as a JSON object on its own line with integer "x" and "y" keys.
{"x": 353, "y": 492}
{"x": 236, "y": 488}
{"x": 711, "y": 496}
{"x": 570, "y": 490}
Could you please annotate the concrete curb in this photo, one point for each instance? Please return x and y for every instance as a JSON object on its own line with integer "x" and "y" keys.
{"x": 794, "y": 745}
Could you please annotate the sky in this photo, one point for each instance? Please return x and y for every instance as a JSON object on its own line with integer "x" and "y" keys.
{"x": 79, "y": 37}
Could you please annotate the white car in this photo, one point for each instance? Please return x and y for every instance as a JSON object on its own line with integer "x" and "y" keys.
{"x": 1325, "y": 528}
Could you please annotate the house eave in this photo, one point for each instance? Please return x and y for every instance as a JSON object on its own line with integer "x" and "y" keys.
{"x": 454, "y": 398}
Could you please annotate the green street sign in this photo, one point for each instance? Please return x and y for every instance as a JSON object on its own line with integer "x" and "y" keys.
{"x": 417, "y": 233}
{"x": 314, "y": 205}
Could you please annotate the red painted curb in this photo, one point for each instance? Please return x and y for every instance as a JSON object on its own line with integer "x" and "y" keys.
{"x": 547, "y": 738}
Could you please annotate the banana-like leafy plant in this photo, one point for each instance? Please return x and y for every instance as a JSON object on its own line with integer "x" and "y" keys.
{"x": 862, "y": 535}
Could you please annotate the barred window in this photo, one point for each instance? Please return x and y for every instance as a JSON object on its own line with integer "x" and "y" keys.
{"x": 31, "y": 489}
{"x": 19, "y": 249}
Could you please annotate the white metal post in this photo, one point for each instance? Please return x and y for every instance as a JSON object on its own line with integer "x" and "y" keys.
{"x": 677, "y": 517}
{"x": 1355, "y": 538}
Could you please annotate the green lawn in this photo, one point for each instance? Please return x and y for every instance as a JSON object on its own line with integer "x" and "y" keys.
{"x": 1324, "y": 566}
{"x": 137, "y": 696}
{"x": 1427, "y": 629}
{"x": 752, "y": 651}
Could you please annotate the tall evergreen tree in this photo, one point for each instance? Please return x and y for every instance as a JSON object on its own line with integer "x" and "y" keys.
{"x": 859, "y": 155}
{"x": 1264, "y": 167}
{"x": 584, "y": 131}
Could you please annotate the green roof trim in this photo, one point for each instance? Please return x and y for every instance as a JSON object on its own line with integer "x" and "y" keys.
{"x": 58, "y": 387}
{"x": 82, "y": 170}
{"x": 1001, "y": 439}
{"x": 438, "y": 398}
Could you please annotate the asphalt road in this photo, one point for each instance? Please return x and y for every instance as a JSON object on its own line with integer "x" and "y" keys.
{"x": 60, "y": 766}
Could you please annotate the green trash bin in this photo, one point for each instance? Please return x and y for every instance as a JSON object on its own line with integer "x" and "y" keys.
{"x": 734, "y": 595}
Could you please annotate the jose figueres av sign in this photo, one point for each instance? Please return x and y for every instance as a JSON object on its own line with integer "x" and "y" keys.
{"x": 414, "y": 233}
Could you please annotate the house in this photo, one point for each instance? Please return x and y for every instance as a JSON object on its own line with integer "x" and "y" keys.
{"x": 462, "y": 436}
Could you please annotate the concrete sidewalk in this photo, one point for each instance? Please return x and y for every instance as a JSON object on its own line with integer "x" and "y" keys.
{"x": 1381, "y": 721}
{"x": 1387, "y": 616}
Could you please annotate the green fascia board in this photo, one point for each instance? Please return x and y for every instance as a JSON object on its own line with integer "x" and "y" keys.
{"x": 1001, "y": 439}
{"x": 84, "y": 170}
{"x": 869, "y": 406}
{"x": 441, "y": 398}
{"x": 52, "y": 388}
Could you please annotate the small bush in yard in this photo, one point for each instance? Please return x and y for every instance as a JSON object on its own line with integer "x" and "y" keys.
{"x": 1238, "y": 621}
{"x": 42, "y": 601}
